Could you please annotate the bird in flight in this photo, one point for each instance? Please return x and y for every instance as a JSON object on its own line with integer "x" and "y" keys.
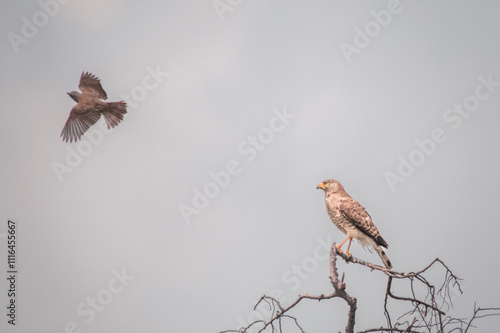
{"x": 352, "y": 219}
{"x": 90, "y": 107}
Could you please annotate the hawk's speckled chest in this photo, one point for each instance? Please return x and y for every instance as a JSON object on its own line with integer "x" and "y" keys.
{"x": 335, "y": 214}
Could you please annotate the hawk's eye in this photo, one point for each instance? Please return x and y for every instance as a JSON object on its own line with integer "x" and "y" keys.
{"x": 326, "y": 183}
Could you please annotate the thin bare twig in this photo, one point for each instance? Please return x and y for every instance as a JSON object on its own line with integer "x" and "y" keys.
{"x": 496, "y": 312}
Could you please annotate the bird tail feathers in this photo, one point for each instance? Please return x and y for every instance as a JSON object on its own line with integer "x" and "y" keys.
{"x": 383, "y": 256}
{"x": 113, "y": 113}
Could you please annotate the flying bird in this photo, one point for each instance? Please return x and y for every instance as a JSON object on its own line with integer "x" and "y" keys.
{"x": 352, "y": 219}
{"x": 90, "y": 107}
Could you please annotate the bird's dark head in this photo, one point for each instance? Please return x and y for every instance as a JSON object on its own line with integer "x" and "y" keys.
{"x": 75, "y": 95}
{"x": 330, "y": 185}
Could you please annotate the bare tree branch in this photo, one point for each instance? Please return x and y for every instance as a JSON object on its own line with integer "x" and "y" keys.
{"x": 427, "y": 309}
{"x": 494, "y": 312}
{"x": 339, "y": 287}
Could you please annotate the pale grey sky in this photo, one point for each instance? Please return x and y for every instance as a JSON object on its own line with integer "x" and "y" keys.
{"x": 269, "y": 98}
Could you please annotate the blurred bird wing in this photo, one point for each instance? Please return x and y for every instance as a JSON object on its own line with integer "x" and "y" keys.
{"x": 89, "y": 83}
{"x": 357, "y": 215}
{"x": 79, "y": 121}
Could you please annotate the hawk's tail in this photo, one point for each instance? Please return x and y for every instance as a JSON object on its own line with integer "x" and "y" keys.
{"x": 383, "y": 256}
{"x": 113, "y": 113}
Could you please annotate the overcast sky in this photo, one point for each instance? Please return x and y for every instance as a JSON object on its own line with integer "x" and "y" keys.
{"x": 204, "y": 198}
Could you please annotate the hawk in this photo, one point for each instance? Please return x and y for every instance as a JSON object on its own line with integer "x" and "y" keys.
{"x": 90, "y": 107}
{"x": 352, "y": 219}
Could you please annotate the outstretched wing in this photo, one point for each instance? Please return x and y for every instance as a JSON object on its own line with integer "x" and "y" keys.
{"x": 78, "y": 122}
{"x": 358, "y": 216}
{"x": 89, "y": 83}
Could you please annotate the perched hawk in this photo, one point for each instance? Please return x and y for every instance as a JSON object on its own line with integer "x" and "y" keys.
{"x": 352, "y": 219}
{"x": 90, "y": 107}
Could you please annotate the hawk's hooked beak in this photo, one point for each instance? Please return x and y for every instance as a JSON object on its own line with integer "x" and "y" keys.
{"x": 321, "y": 186}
